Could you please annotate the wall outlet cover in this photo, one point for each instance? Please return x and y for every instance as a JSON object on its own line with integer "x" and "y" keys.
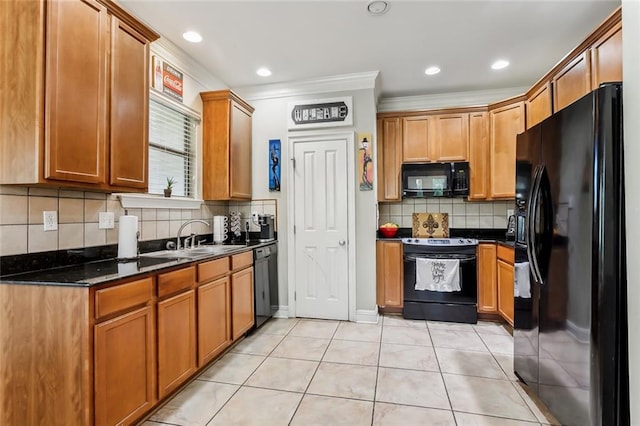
{"x": 106, "y": 220}
{"x": 50, "y": 220}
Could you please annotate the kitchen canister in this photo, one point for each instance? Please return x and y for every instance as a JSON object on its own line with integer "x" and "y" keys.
{"x": 128, "y": 237}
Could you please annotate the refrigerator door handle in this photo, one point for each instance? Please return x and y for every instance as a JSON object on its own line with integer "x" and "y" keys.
{"x": 547, "y": 224}
{"x": 532, "y": 209}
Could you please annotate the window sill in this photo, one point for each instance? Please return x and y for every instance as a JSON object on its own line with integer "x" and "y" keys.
{"x": 148, "y": 201}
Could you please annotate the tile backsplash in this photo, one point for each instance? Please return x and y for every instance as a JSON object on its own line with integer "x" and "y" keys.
{"x": 22, "y": 230}
{"x": 462, "y": 213}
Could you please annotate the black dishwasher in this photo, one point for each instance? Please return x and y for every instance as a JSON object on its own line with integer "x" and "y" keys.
{"x": 265, "y": 282}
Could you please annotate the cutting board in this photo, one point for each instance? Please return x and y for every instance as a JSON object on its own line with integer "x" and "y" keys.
{"x": 430, "y": 225}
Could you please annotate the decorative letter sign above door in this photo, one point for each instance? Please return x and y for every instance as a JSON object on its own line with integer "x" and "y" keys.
{"x": 332, "y": 112}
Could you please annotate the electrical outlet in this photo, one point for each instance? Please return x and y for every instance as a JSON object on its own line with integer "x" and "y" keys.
{"x": 105, "y": 220}
{"x": 50, "y": 220}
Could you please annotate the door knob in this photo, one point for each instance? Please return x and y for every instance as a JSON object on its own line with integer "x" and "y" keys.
{"x": 341, "y": 242}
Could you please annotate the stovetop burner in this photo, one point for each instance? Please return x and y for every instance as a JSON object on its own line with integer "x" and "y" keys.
{"x": 442, "y": 242}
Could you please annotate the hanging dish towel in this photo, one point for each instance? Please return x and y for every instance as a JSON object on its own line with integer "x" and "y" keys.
{"x": 521, "y": 285}
{"x": 438, "y": 275}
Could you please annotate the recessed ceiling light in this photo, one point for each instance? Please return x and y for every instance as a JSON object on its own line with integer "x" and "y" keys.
{"x": 432, "y": 71}
{"x": 499, "y": 64}
{"x": 378, "y": 7}
{"x": 192, "y": 36}
{"x": 263, "y": 72}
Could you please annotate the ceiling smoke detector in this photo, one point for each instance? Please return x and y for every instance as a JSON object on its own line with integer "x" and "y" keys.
{"x": 378, "y": 7}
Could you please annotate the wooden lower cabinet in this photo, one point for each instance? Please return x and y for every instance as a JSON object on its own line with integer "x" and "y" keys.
{"x": 242, "y": 302}
{"x": 487, "y": 284}
{"x": 214, "y": 319}
{"x": 389, "y": 276}
{"x": 125, "y": 367}
{"x": 176, "y": 341}
{"x": 505, "y": 290}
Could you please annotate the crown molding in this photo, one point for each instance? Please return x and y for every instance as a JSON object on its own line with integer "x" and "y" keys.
{"x": 186, "y": 64}
{"x": 338, "y": 83}
{"x": 448, "y": 100}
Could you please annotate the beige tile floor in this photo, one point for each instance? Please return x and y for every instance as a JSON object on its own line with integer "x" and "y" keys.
{"x": 396, "y": 372}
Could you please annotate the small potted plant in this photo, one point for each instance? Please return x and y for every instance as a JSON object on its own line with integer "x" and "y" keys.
{"x": 169, "y": 187}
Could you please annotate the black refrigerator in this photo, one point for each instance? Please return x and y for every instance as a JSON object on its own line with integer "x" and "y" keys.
{"x": 570, "y": 307}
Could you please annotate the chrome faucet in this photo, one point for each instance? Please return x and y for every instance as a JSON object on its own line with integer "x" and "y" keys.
{"x": 182, "y": 227}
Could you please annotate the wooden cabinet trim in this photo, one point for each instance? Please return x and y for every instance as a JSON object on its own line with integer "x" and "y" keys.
{"x": 389, "y": 274}
{"x": 487, "y": 279}
{"x": 121, "y": 14}
{"x": 611, "y": 64}
{"x": 214, "y": 319}
{"x": 539, "y": 105}
{"x": 478, "y": 155}
{"x": 505, "y": 290}
{"x": 242, "y": 302}
{"x": 123, "y": 296}
{"x": 175, "y": 281}
{"x": 562, "y": 98}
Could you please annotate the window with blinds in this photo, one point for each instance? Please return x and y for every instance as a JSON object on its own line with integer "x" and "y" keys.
{"x": 172, "y": 140}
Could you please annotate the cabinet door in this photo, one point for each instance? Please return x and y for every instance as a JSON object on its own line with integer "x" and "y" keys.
{"x": 487, "y": 284}
{"x": 572, "y": 82}
{"x": 506, "y": 122}
{"x": 539, "y": 105}
{"x": 505, "y": 290}
{"x": 76, "y": 91}
{"x": 389, "y": 159}
{"x": 416, "y": 139}
{"x": 125, "y": 368}
{"x": 214, "y": 319}
{"x": 478, "y": 155}
{"x": 176, "y": 341}
{"x": 242, "y": 302}
{"x": 606, "y": 57}
{"x": 129, "y": 148}
{"x": 389, "y": 266}
{"x": 240, "y": 140}
{"x": 451, "y": 137}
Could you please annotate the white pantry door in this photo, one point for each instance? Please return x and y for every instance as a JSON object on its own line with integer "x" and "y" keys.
{"x": 321, "y": 229}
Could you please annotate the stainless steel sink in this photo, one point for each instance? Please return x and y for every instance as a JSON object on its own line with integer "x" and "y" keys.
{"x": 193, "y": 253}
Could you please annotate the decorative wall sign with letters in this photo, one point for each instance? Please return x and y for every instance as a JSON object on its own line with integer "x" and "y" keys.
{"x": 333, "y": 112}
{"x": 167, "y": 79}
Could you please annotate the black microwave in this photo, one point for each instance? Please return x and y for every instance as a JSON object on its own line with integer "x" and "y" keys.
{"x": 435, "y": 179}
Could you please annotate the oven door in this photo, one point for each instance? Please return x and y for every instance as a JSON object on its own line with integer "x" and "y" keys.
{"x": 468, "y": 281}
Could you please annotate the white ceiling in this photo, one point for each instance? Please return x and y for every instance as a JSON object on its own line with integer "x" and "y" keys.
{"x": 304, "y": 40}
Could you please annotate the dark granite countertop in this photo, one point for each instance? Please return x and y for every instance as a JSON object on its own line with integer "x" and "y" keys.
{"x": 101, "y": 271}
{"x": 483, "y": 235}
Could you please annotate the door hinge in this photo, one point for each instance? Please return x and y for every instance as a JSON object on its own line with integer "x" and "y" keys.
{"x": 294, "y": 229}
{"x": 295, "y": 297}
{"x": 294, "y": 163}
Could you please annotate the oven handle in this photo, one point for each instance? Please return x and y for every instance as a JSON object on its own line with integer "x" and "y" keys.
{"x": 461, "y": 258}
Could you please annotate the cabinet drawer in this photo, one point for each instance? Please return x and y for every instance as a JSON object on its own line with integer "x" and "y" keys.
{"x": 212, "y": 269}
{"x": 505, "y": 253}
{"x": 124, "y": 296}
{"x": 173, "y": 282}
{"x": 242, "y": 260}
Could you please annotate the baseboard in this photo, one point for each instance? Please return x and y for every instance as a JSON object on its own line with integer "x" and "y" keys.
{"x": 282, "y": 312}
{"x": 369, "y": 316}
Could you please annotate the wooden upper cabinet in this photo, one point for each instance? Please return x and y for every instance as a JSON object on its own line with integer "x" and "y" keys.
{"x": 451, "y": 137}
{"x": 478, "y": 155}
{"x": 129, "y": 142}
{"x": 572, "y": 82}
{"x": 76, "y": 91}
{"x": 226, "y": 146}
{"x": 416, "y": 139}
{"x": 539, "y": 105}
{"x": 389, "y": 159}
{"x": 606, "y": 57}
{"x": 505, "y": 124}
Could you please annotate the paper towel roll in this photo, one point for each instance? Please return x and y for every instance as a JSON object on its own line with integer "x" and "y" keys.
{"x": 128, "y": 237}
